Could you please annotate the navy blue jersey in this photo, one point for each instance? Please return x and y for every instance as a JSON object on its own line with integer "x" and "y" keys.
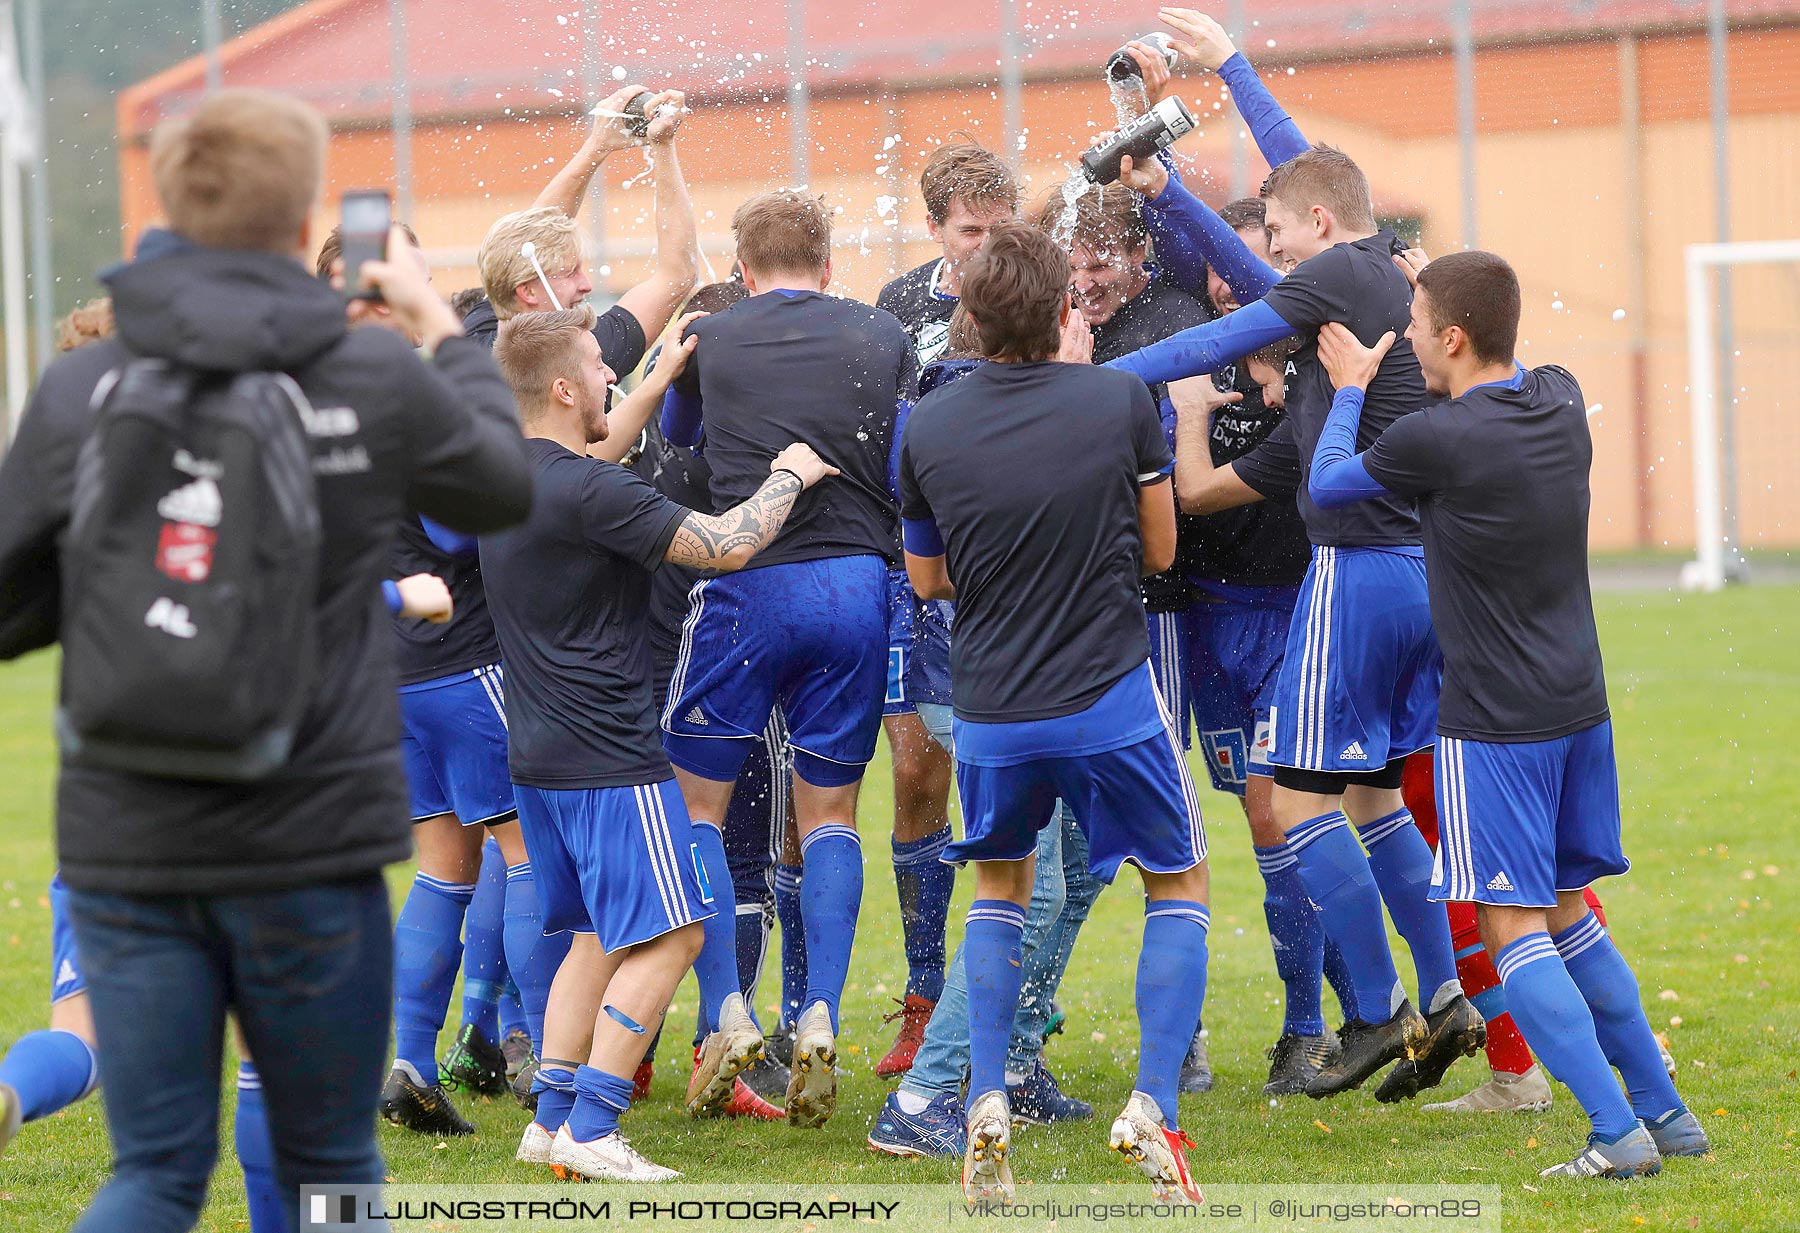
{"x": 570, "y": 592}
{"x": 1358, "y": 285}
{"x": 785, "y": 367}
{"x": 426, "y": 651}
{"x": 924, "y": 311}
{"x": 1032, "y": 473}
{"x": 1501, "y": 476}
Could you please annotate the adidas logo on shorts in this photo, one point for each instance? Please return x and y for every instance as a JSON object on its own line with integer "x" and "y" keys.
{"x": 695, "y": 717}
{"x": 66, "y": 973}
{"x": 1500, "y": 882}
{"x": 1353, "y": 752}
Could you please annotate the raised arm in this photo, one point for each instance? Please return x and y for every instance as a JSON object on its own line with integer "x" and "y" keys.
{"x": 1339, "y": 475}
{"x": 1203, "y": 43}
{"x": 1205, "y": 348}
{"x": 1190, "y": 235}
{"x": 654, "y": 301}
{"x": 727, "y": 541}
{"x": 569, "y": 187}
{"x": 625, "y": 423}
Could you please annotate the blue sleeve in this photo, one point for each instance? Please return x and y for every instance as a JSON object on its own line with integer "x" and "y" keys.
{"x": 901, "y": 414}
{"x": 922, "y": 537}
{"x": 681, "y": 416}
{"x": 1338, "y": 475}
{"x": 1166, "y": 410}
{"x": 453, "y": 542}
{"x": 1277, "y": 136}
{"x": 390, "y": 591}
{"x": 1197, "y": 237}
{"x": 1208, "y": 347}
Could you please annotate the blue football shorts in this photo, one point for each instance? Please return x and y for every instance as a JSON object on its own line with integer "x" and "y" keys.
{"x": 1169, "y": 663}
{"x": 1234, "y": 657}
{"x": 902, "y": 603}
{"x": 453, "y": 744}
{"x": 66, "y": 979}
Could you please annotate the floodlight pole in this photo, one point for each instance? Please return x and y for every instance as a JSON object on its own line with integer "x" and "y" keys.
{"x": 1716, "y": 38}
{"x": 402, "y": 88}
{"x": 1464, "y": 38}
{"x": 1011, "y": 81}
{"x": 210, "y": 37}
{"x": 1240, "y": 136}
{"x": 800, "y": 161}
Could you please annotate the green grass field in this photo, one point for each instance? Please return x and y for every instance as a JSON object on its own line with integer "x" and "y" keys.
{"x": 1706, "y": 700}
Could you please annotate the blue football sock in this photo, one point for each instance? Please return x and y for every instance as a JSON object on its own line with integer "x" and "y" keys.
{"x": 427, "y": 952}
{"x": 1611, "y": 992}
{"x": 1558, "y": 1026}
{"x": 555, "y": 1088}
{"x": 256, "y": 1154}
{"x": 1295, "y": 937}
{"x": 1171, "y": 985}
{"x": 924, "y": 884}
{"x": 716, "y": 969}
{"x": 1337, "y": 972}
{"x": 1401, "y": 861}
{"x": 993, "y": 959}
{"x": 1335, "y": 871}
{"x": 50, "y": 1070}
{"x": 793, "y": 940}
{"x": 599, "y": 1100}
{"x": 531, "y": 958}
{"x": 512, "y": 1010}
{"x": 484, "y": 946}
{"x": 830, "y": 898}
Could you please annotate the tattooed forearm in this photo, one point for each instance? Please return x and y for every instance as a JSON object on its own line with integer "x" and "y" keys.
{"x": 729, "y": 540}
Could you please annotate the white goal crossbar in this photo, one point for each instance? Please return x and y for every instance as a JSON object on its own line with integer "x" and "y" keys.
{"x": 1708, "y": 572}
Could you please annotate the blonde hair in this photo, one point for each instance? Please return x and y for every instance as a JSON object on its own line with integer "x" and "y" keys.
{"x": 782, "y": 232}
{"x": 1324, "y": 176}
{"x": 534, "y": 349}
{"x": 503, "y": 264}
{"x": 90, "y": 322}
{"x": 241, "y": 170}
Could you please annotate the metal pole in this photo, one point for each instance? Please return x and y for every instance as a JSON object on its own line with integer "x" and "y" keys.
{"x": 43, "y": 286}
{"x": 1011, "y": 81}
{"x": 800, "y": 160}
{"x": 1465, "y": 117}
{"x": 210, "y": 38}
{"x": 592, "y": 80}
{"x": 1637, "y": 306}
{"x": 1709, "y": 543}
{"x": 1240, "y": 137}
{"x": 402, "y": 90}
{"x": 12, "y": 281}
{"x": 1721, "y": 134}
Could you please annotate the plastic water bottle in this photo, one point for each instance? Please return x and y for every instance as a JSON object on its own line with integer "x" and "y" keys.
{"x": 1163, "y": 125}
{"x": 1123, "y": 66}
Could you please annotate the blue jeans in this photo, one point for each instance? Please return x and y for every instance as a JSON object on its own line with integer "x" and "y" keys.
{"x": 309, "y": 974}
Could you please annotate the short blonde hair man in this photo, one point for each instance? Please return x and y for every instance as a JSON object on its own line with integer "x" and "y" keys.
{"x": 505, "y": 267}
{"x": 241, "y": 170}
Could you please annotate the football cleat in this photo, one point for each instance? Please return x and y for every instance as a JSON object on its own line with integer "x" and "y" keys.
{"x": 474, "y": 1065}
{"x": 812, "y": 1085}
{"x": 1677, "y": 1133}
{"x": 914, "y": 1014}
{"x": 1196, "y": 1067}
{"x": 12, "y": 1115}
{"x": 1456, "y": 1030}
{"x": 940, "y": 1129}
{"x": 720, "y": 1057}
{"x": 1039, "y": 1102}
{"x": 1141, "y": 1136}
{"x": 516, "y": 1049}
{"x": 767, "y": 1078}
{"x": 745, "y": 1102}
{"x": 1635, "y": 1155}
{"x": 1294, "y": 1060}
{"x": 1503, "y": 1093}
{"x": 610, "y": 1158}
{"x": 422, "y": 1107}
{"x": 534, "y": 1145}
{"x": 1365, "y": 1048}
{"x": 521, "y": 1086}
{"x": 987, "y": 1177}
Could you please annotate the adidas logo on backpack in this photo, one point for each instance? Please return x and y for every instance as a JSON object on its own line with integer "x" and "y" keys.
{"x": 1500, "y": 882}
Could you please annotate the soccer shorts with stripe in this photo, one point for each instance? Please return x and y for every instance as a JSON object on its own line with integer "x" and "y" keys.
{"x": 1359, "y": 680}
{"x": 453, "y": 745}
{"x": 928, "y": 671}
{"x": 810, "y": 637}
{"x": 902, "y": 603}
{"x": 66, "y": 979}
{"x": 1235, "y": 651}
{"x": 618, "y": 862}
{"x": 1519, "y": 822}
{"x": 1169, "y": 663}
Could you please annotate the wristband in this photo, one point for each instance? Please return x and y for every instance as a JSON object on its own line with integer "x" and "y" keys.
{"x": 788, "y": 471}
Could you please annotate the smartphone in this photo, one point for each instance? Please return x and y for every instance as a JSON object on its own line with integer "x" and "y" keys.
{"x": 363, "y": 226}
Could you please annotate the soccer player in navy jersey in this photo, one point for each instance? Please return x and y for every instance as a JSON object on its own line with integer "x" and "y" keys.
{"x": 805, "y": 626}
{"x": 1527, "y": 785}
{"x": 1050, "y": 667}
{"x": 612, "y": 848}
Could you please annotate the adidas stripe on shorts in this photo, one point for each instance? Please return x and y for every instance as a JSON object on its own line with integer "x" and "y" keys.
{"x": 66, "y": 979}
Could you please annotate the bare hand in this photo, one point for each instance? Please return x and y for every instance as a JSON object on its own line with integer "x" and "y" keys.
{"x": 1155, "y": 70}
{"x": 1077, "y": 345}
{"x": 612, "y": 127}
{"x": 1347, "y": 362}
{"x": 1273, "y": 380}
{"x": 1200, "y": 41}
{"x": 800, "y": 459}
{"x": 673, "y": 359}
{"x": 1411, "y": 262}
{"x": 1148, "y": 178}
{"x": 411, "y": 303}
{"x": 1199, "y": 396}
{"x": 425, "y": 597}
{"x": 665, "y": 111}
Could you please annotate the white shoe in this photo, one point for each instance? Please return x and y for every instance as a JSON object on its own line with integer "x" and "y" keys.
{"x": 610, "y": 1158}
{"x": 1141, "y": 1135}
{"x": 724, "y": 1054}
{"x": 987, "y": 1177}
{"x": 12, "y": 1115}
{"x": 812, "y": 1086}
{"x": 534, "y": 1145}
{"x": 1503, "y": 1093}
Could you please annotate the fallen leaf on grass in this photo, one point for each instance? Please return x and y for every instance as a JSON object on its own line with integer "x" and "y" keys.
{"x": 1531, "y": 1142}
{"x": 1321, "y": 1125}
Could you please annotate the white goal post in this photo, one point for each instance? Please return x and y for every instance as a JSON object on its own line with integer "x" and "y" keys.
{"x": 1708, "y": 570}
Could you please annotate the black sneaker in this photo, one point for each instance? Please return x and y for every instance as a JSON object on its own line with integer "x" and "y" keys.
{"x": 472, "y": 1064}
{"x": 1366, "y": 1048}
{"x": 1294, "y": 1060}
{"x": 516, "y": 1049}
{"x": 779, "y": 1046}
{"x": 1455, "y": 1031}
{"x": 426, "y": 1109}
{"x": 521, "y": 1086}
{"x": 1196, "y": 1067}
{"x": 767, "y": 1078}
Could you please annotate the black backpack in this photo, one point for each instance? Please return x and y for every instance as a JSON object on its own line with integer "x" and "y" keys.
{"x": 190, "y": 576}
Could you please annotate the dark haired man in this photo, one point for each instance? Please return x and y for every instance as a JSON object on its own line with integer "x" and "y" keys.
{"x": 1054, "y": 692}
{"x": 1527, "y": 786}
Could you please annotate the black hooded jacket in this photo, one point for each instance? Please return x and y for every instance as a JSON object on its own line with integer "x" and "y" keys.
{"x": 438, "y": 437}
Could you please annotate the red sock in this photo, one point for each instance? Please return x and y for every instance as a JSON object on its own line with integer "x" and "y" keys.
{"x": 1419, "y": 792}
{"x": 1593, "y": 901}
